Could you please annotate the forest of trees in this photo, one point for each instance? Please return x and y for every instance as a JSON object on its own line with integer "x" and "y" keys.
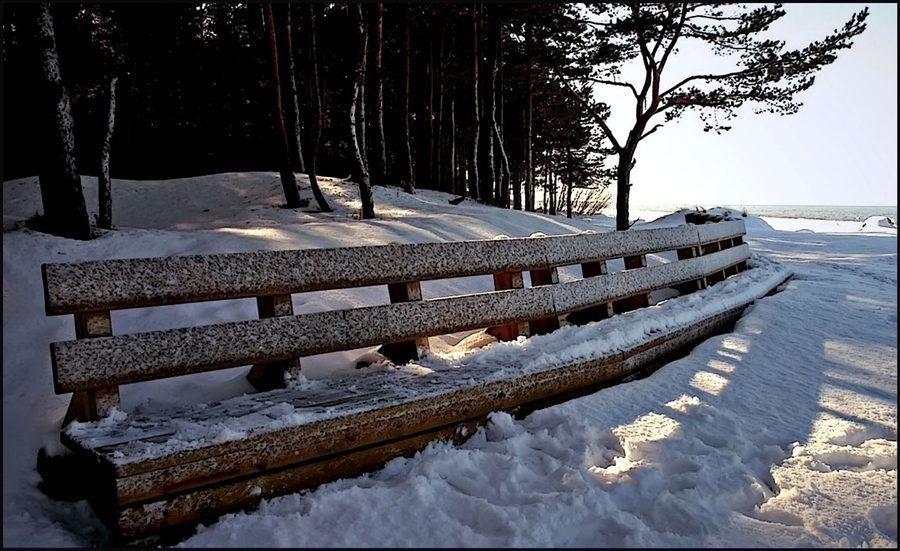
{"x": 490, "y": 101}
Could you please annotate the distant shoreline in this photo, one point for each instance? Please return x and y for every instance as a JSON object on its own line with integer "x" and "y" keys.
{"x": 810, "y": 212}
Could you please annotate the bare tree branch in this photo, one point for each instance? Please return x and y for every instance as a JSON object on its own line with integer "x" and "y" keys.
{"x": 652, "y": 130}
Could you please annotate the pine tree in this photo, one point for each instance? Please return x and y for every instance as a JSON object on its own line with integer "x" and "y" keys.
{"x": 765, "y": 75}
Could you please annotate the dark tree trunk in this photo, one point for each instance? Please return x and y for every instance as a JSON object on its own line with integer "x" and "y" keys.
{"x": 568, "y": 183}
{"x": 504, "y": 176}
{"x": 474, "y": 187}
{"x": 439, "y": 118}
{"x": 65, "y": 212}
{"x": 501, "y": 191}
{"x": 462, "y": 157}
{"x": 454, "y": 173}
{"x": 551, "y": 182}
{"x": 380, "y": 172}
{"x": 517, "y": 187}
{"x": 623, "y": 188}
{"x": 315, "y": 102}
{"x": 486, "y": 172}
{"x": 429, "y": 172}
{"x": 293, "y": 110}
{"x": 104, "y": 219}
{"x": 408, "y": 174}
{"x": 357, "y": 120}
{"x": 529, "y": 166}
{"x": 288, "y": 180}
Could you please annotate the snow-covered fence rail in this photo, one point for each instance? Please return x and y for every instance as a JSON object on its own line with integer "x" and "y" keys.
{"x": 151, "y": 480}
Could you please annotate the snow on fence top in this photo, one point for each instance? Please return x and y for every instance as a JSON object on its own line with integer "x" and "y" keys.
{"x": 139, "y": 282}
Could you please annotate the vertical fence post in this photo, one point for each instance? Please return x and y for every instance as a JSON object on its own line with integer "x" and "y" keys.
{"x": 271, "y": 375}
{"x": 510, "y": 331}
{"x": 735, "y": 242}
{"x": 637, "y": 301}
{"x": 716, "y": 277}
{"x": 697, "y": 284}
{"x": 404, "y": 351}
{"x": 594, "y": 313}
{"x": 544, "y": 276}
{"x": 90, "y": 405}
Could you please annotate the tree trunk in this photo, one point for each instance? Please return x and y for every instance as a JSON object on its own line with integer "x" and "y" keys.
{"x": 454, "y": 173}
{"x": 288, "y": 180}
{"x": 568, "y": 183}
{"x": 462, "y": 157}
{"x": 408, "y": 174}
{"x": 438, "y": 177}
{"x": 517, "y": 187}
{"x": 315, "y": 102}
{"x": 501, "y": 191}
{"x": 545, "y": 202}
{"x": 551, "y": 182}
{"x": 357, "y": 121}
{"x": 65, "y": 212}
{"x": 504, "y": 176}
{"x": 623, "y": 188}
{"x": 104, "y": 220}
{"x": 529, "y": 166}
{"x": 293, "y": 111}
{"x": 486, "y": 176}
{"x": 474, "y": 187}
{"x": 380, "y": 176}
{"x": 428, "y": 174}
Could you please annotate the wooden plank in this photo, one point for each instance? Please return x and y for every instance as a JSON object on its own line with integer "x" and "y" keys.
{"x": 575, "y": 295}
{"x": 640, "y": 300}
{"x": 138, "y": 282}
{"x": 542, "y": 326}
{"x": 587, "y": 247}
{"x": 442, "y": 412}
{"x": 719, "y": 275}
{"x": 720, "y": 230}
{"x": 593, "y": 313}
{"x": 510, "y": 331}
{"x": 146, "y": 518}
{"x": 402, "y": 352}
{"x": 270, "y": 375}
{"x": 691, "y": 286}
{"x": 104, "y": 361}
{"x": 737, "y": 241}
{"x": 91, "y": 404}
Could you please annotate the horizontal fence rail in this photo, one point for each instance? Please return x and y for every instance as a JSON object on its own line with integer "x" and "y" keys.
{"x": 86, "y": 363}
{"x": 97, "y": 285}
{"x": 97, "y": 362}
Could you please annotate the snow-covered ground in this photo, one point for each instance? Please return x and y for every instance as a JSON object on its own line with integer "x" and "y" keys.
{"x": 780, "y": 433}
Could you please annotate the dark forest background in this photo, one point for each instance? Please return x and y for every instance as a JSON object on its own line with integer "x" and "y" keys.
{"x": 195, "y": 92}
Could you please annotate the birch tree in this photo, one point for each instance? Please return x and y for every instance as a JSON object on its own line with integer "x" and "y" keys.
{"x": 65, "y": 211}
{"x": 357, "y": 120}
{"x": 380, "y": 175}
{"x": 104, "y": 185}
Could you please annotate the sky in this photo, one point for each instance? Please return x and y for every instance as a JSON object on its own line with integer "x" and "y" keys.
{"x": 839, "y": 149}
{"x": 779, "y": 433}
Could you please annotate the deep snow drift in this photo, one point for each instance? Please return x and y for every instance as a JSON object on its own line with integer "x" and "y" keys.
{"x": 780, "y": 433}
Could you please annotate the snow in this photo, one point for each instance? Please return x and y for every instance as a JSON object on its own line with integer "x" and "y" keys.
{"x": 781, "y": 433}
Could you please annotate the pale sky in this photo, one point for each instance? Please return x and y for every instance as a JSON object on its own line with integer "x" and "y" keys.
{"x": 839, "y": 149}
